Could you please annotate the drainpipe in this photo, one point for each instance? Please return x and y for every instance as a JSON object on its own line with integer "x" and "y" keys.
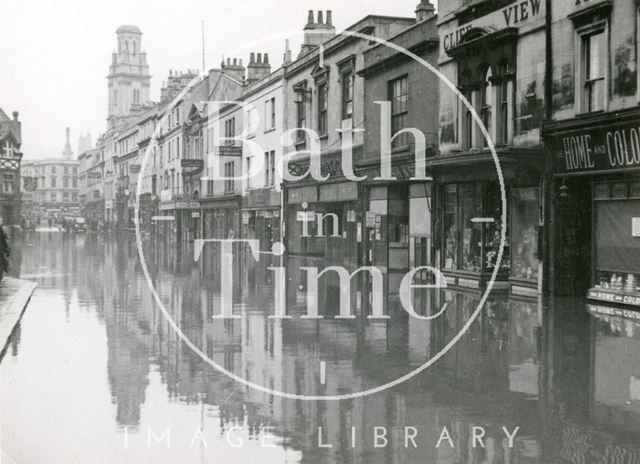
{"x": 548, "y": 200}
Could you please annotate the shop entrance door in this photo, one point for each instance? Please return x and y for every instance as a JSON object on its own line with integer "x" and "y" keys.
{"x": 573, "y": 237}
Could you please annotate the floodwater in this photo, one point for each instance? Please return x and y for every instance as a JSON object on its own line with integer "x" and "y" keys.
{"x": 96, "y": 374}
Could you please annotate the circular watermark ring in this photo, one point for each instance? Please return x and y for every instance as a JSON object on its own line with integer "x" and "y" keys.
{"x": 401, "y": 379}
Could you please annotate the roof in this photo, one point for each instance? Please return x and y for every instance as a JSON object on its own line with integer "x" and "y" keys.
{"x": 128, "y": 29}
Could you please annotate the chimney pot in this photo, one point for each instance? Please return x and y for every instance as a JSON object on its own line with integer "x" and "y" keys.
{"x": 310, "y": 20}
{"x": 240, "y": 62}
{"x": 15, "y": 115}
{"x": 235, "y": 62}
{"x": 252, "y": 58}
{"x": 259, "y": 58}
{"x": 329, "y": 18}
{"x": 266, "y": 58}
{"x": 320, "y": 18}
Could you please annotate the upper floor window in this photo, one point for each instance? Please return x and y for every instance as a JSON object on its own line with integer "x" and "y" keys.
{"x": 486, "y": 103}
{"x": 229, "y": 183}
{"x": 398, "y": 95}
{"x": 230, "y": 131}
{"x": 301, "y": 120}
{"x": 269, "y": 168}
{"x": 347, "y": 95}
{"x": 270, "y": 114}
{"x": 323, "y": 108}
{"x": 594, "y": 68}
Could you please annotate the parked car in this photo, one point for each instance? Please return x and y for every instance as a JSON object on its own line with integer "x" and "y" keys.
{"x": 79, "y": 224}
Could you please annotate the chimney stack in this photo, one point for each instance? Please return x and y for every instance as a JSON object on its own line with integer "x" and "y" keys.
{"x": 258, "y": 67}
{"x": 234, "y": 69}
{"x": 317, "y": 33}
{"x": 425, "y": 10}
{"x": 15, "y": 115}
{"x": 287, "y": 53}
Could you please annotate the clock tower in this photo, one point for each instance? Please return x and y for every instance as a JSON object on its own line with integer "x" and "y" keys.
{"x": 129, "y": 78}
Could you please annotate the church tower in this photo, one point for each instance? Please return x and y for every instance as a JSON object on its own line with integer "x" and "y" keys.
{"x": 129, "y": 78}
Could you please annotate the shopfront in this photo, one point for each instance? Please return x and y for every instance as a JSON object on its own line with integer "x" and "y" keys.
{"x": 469, "y": 222}
{"x": 397, "y": 227}
{"x": 322, "y": 228}
{"x": 597, "y": 206}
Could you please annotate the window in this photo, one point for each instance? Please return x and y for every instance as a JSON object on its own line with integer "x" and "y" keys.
{"x": 270, "y": 114}
{"x": 65, "y": 182}
{"x": 136, "y": 96}
{"x": 65, "y": 169}
{"x": 398, "y": 95}
{"x": 54, "y": 197}
{"x": 65, "y": 196}
{"x": 53, "y": 182}
{"x": 467, "y": 141}
{"x": 7, "y": 183}
{"x": 347, "y": 95}
{"x": 505, "y": 113}
{"x": 115, "y": 98}
{"x": 229, "y": 183}
{"x": 53, "y": 169}
{"x": 486, "y": 106}
{"x": 74, "y": 182}
{"x": 594, "y": 55}
{"x": 248, "y": 171}
{"x": 270, "y": 168}
{"x": 323, "y": 106}
{"x": 301, "y": 121}
{"x": 230, "y": 131}
{"x": 177, "y": 148}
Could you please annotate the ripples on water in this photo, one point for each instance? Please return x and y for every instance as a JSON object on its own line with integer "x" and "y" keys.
{"x": 95, "y": 373}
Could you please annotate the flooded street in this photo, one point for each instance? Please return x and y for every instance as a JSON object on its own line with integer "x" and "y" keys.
{"x": 95, "y": 373}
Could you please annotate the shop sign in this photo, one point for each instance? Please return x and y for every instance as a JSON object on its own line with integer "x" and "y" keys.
{"x": 600, "y": 310}
{"x": 613, "y": 297}
{"x": 515, "y": 15}
{"x": 635, "y": 227}
{"x": 229, "y": 150}
{"x": 134, "y": 168}
{"x": 600, "y": 149}
{"x": 245, "y": 217}
{"x": 305, "y": 216}
{"x": 370, "y": 219}
{"x": 351, "y": 216}
{"x": 195, "y": 214}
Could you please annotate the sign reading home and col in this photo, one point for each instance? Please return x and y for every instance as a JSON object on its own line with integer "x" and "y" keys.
{"x": 597, "y": 149}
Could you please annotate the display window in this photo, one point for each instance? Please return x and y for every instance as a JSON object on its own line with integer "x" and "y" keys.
{"x": 525, "y": 217}
{"x": 472, "y": 224}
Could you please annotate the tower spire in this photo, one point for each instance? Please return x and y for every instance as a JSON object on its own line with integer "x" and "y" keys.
{"x": 67, "y": 153}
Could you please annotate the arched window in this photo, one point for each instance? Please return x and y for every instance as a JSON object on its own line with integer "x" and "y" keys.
{"x": 133, "y": 45}
{"x": 486, "y": 102}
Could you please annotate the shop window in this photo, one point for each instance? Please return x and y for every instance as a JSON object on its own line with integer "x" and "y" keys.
{"x": 323, "y": 107}
{"x": 470, "y": 196}
{"x": 398, "y": 95}
{"x": 472, "y": 227}
{"x": 525, "y": 212}
{"x": 594, "y": 56}
{"x": 451, "y": 226}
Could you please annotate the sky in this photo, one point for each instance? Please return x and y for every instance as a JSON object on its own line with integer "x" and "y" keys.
{"x": 56, "y": 54}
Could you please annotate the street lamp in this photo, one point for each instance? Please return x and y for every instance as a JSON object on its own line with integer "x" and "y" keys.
{"x": 301, "y": 95}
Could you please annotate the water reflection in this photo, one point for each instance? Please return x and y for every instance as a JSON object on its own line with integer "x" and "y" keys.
{"x": 97, "y": 363}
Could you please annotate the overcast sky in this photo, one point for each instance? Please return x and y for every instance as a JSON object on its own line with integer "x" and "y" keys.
{"x": 56, "y": 54}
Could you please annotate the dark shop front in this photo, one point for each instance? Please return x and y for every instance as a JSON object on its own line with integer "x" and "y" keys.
{"x": 596, "y": 238}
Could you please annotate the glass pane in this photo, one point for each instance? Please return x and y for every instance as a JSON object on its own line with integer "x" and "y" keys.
{"x": 470, "y": 205}
{"x": 450, "y": 227}
{"x": 524, "y": 223}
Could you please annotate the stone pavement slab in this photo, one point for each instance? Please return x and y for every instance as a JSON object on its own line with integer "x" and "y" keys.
{"x": 14, "y": 297}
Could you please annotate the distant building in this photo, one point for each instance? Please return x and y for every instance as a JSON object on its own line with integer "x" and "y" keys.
{"x": 51, "y": 185}
{"x": 10, "y": 157}
{"x": 84, "y": 143}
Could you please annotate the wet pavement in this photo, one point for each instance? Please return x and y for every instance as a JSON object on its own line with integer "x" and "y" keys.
{"x": 96, "y": 373}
